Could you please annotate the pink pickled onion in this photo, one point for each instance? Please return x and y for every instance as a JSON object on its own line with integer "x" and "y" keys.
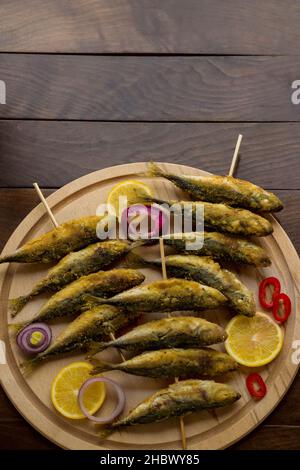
{"x": 120, "y": 395}
{"x": 157, "y": 216}
{"x": 23, "y": 338}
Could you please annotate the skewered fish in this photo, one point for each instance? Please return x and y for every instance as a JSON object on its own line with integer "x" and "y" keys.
{"x": 93, "y": 325}
{"x": 74, "y": 265}
{"x": 220, "y": 247}
{"x": 51, "y": 246}
{"x": 166, "y": 296}
{"x": 71, "y": 299}
{"x": 178, "y": 399}
{"x": 170, "y": 363}
{"x": 221, "y": 217}
{"x": 172, "y": 332}
{"x": 204, "y": 269}
{"x": 213, "y": 188}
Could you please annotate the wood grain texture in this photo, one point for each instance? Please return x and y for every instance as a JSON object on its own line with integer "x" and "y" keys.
{"x": 54, "y": 153}
{"x": 271, "y": 438}
{"x": 151, "y": 26}
{"x": 122, "y": 88}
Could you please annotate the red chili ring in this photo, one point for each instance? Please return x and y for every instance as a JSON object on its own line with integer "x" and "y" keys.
{"x": 287, "y": 307}
{"x": 268, "y": 281}
{"x": 256, "y": 379}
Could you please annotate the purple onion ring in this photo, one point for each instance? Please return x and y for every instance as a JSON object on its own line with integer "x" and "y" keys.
{"x": 120, "y": 394}
{"x": 158, "y": 218}
{"x": 23, "y": 338}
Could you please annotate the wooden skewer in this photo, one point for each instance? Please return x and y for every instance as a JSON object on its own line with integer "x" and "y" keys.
{"x": 55, "y": 223}
{"x": 163, "y": 259}
{"x": 165, "y": 277}
{"x": 43, "y": 200}
{"x": 235, "y": 156}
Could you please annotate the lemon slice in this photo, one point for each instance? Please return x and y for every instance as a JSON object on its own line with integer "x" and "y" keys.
{"x": 133, "y": 190}
{"x": 253, "y": 341}
{"x": 66, "y": 386}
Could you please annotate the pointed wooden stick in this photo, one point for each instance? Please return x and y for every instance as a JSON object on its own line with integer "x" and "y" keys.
{"x": 43, "y": 200}
{"x": 235, "y": 156}
{"x": 55, "y": 223}
{"x": 164, "y": 275}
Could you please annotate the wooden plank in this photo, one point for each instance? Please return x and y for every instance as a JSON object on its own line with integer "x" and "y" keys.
{"x": 149, "y": 88}
{"x": 19, "y": 435}
{"x": 271, "y": 438}
{"x": 69, "y": 150}
{"x": 171, "y": 26}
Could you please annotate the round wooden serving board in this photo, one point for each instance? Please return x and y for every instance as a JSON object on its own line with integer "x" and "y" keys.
{"x": 205, "y": 430}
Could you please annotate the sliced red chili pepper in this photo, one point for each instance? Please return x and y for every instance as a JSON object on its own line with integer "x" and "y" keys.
{"x": 268, "y": 281}
{"x": 256, "y": 385}
{"x": 282, "y": 300}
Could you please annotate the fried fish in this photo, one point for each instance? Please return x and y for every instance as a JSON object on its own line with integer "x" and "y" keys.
{"x": 178, "y": 399}
{"x": 71, "y": 299}
{"x": 220, "y": 217}
{"x": 92, "y": 325}
{"x": 205, "y": 270}
{"x": 166, "y": 296}
{"x": 171, "y": 363}
{"x": 74, "y": 265}
{"x": 52, "y": 246}
{"x": 219, "y": 246}
{"x": 172, "y": 332}
{"x": 226, "y": 189}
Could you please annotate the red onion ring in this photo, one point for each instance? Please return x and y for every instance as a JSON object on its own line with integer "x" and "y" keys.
{"x": 120, "y": 394}
{"x": 23, "y": 338}
{"x": 158, "y": 218}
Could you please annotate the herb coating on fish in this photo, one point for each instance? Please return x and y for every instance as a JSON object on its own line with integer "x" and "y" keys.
{"x": 74, "y": 265}
{"x": 92, "y": 325}
{"x": 178, "y": 399}
{"x": 71, "y": 299}
{"x": 221, "y": 217}
{"x": 227, "y": 189}
{"x": 205, "y": 270}
{"x": 172, "y": 332}
{"x": 52, "y": 246}
{"x": 170, "y": 363}
{"x": 167, "y": 296}
{"x": 220, "y": 247}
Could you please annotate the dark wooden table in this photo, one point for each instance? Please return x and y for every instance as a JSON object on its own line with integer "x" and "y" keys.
{"x": 92, "y": 83}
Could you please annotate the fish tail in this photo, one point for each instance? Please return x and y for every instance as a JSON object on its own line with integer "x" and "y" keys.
{"x": 91, "y": 301}
{"x": 16, "y": 327}
{"x": 152, "y": 200}
{"x": 132, "y": 260}
{"x": 28, "y": 366}
{"x": 7, "y": 259}
{"x": 107, "y": 431}
{"x": 95, "y": 347}
{"x": 100, "y": 366}
{"x": 16, "y": 305}
{"x": 154, "y": 170}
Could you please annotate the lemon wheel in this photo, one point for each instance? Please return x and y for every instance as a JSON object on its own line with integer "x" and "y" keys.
{"x": 253, "y": 341}
{"x": 134, "y": 191}
{"x": 66, "y": 386}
